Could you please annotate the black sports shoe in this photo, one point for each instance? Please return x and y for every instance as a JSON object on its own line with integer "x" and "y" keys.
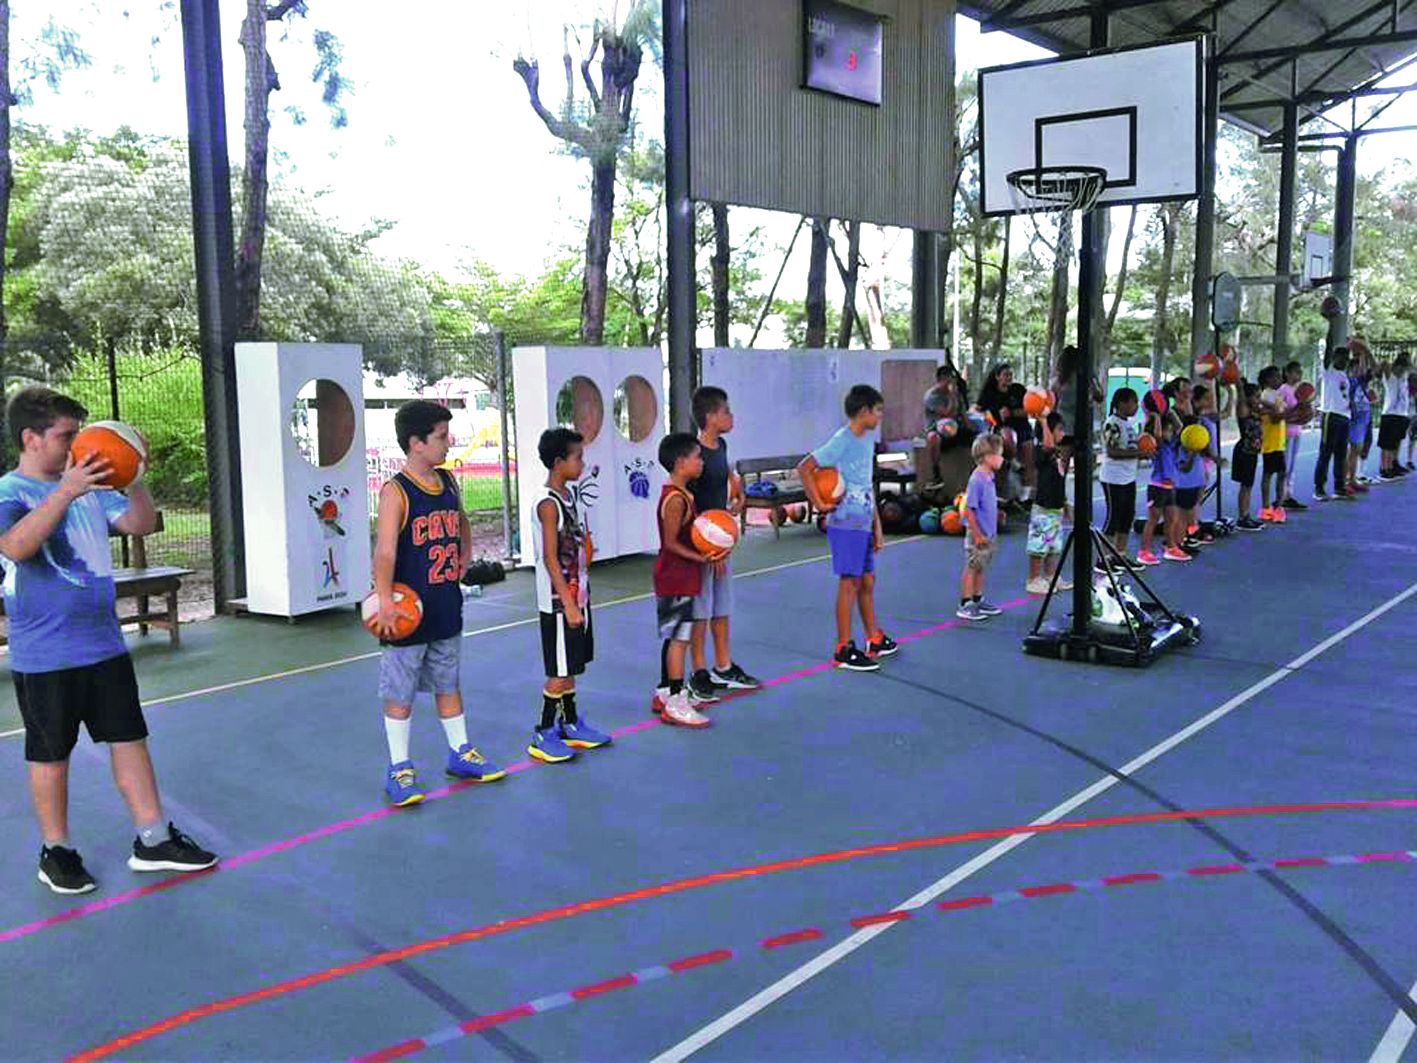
{"x": 734, "y": 678}
{"x": 702, "y": 689}
{"x": 853, "y": 660}
{"x": 1293, "y": 503}
{"x": 1249, "y": 524}
{"x": 62, "y": 870}
{"x": 178, "y": 853}
{"x": 882, "y": 646}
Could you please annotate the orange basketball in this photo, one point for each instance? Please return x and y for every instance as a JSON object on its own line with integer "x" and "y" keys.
{"x": 1208, "y": 366}
{"x": 121, "y": 446}
{"x": 1231, "y": 373}
{"x": 1146, "y": 444}
{"x": 1036, "y": 402}
{"x": 715, "y": 533}
{"x": 951, "y": 523}
{"x": 408, "y": 612}
{"x": 830, "y": 486}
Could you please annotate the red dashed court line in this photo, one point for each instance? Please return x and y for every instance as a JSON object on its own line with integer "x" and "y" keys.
{"x": 569, "y": 911}
{"x": 242, "y": 859}
{"x": 650, "y": 974}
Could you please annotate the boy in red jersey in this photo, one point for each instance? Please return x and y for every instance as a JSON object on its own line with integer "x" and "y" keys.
{"x": 678, "y": 573}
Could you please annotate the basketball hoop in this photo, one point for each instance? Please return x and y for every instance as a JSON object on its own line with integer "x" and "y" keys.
{"x": 1057, "y": 190}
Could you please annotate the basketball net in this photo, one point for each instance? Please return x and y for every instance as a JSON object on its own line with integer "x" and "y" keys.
{"x": 1057, "y": 190}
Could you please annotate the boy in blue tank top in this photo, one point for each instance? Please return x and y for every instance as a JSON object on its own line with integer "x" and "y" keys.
{"x": 423, "y": 540}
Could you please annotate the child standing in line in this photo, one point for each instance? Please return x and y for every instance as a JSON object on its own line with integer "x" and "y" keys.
{"x": 678, "y": 575}
{"x": 1161, "y": 491}
{"x": 1293, "y": 431}
{"x": 1203, "y": 403}
{"x": 1274, "y": 417}
{"x": 1050, "y": 507}
{"x": 1245, "y": 459}
{"x": 1397, "y": 412}
{"x": 1118, "y": 473}
{"x": 1360, "y": 424}
{"x": 853, "y": 527}
{"x": 717, "y": 487}
{"x": 981, "y": 518}
{"x": 561, "y": 544}
{"x": 423, "y": 540}
{"x": 1335, "y": 409}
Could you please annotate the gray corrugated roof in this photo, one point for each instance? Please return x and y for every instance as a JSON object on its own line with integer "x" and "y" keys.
{"x": 1268, "y": 48}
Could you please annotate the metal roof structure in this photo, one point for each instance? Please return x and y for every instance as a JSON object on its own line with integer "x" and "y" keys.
{"x": 1316, "y": 53}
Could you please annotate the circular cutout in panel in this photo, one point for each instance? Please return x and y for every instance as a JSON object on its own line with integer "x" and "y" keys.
{"x": 579, "y": 406}
{"x": 636, "y": 409}
{"x": 322, "y": 423}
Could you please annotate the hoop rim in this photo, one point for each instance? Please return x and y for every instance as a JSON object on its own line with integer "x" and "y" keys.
{"x": 1056, "y": 187}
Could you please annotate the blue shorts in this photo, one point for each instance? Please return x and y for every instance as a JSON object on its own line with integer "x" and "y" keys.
{"x": 853, "y": 551}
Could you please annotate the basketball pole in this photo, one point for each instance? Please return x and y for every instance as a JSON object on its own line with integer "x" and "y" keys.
{"x": 1082, "y": 428}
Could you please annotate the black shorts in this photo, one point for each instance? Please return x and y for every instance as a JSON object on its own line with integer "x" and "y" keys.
{"x": 1187, "y": 497}
{"x": 103, "y": 697}
{"x": 1391, "y": 429}
{"x": 1274, "y": 463}
{"x": 1160, "y": 497}
{"x": 1243, "y": 466}
{"x": 1121, "y": 507}
{"x": 566, "y": 650}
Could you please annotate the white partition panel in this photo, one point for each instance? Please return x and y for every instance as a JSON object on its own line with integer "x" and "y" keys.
{"x": 304, "y": 505}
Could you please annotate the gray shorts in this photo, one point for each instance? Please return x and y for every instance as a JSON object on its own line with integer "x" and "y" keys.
{"x": 432, "y": 667}
{"x": 716, "y": 598}
{"x": 675, "y": 617}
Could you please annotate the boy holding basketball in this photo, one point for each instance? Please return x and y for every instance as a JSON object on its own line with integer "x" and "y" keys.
{"x": 423, "y": 540}
{"x": 853, "y": 526}
{"x": 678, "y": 577}
{"x": 68, "y": 660}
{"x": 717, "y": 487}
{"x": 561, "y": 545}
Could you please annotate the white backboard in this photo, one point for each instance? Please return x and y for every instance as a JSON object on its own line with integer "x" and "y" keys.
{"x": 1136, "y": 112}
{"x": 1318, "y": 258}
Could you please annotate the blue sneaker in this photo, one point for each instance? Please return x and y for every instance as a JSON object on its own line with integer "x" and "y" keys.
{"x": 402, "y": 786}
{"x": 468, "y": 763}
{"x": 546, "y": 745}
{"x": 581, "y": 735}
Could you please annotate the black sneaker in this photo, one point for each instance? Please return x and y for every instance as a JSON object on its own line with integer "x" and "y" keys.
{"x": 882, "y": 646}
{"x": 62, "y": 870}
{"x": 853, "y": 660}
{"x": 1293, "y": 503}
{"x": 702, "y": 689}
{"x": 1249, "y": 524}
{"x": 734, "y": 678}
{"x": 178, "y": 853}
{"x": 1389, "y": 475}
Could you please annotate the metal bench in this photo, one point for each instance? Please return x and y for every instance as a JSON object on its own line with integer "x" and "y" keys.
{"x": 144, "y": 582}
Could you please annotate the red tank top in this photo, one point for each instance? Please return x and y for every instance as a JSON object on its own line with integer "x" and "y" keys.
{"x": 675, "y": 576}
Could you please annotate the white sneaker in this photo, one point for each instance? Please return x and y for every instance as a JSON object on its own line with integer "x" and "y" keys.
{"x": 1037, "y": 586}
{"x": 1064, "y": 584}
{"x": 680, "y": 713}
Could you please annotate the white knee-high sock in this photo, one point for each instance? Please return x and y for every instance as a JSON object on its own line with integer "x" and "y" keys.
{"x": 397, "y": 732}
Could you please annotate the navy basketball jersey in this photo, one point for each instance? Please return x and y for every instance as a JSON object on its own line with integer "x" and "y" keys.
{"x": 429, "y": 555}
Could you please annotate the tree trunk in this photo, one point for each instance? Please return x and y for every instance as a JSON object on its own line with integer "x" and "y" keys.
{"x": 597, "y": 252}
{"x": 719, "y": 267}
{"x": 1058, "y": 302}
{"x": 978, "y": 349}
{"x": 1161, "y": 338}
{"x": 260, "y": 82}
{"x": 7, "y": 176}
{"x": 816, "y": 301}
{"x": 1105, "y": 347}
{"x": 849, "y": 280}
{"x": 1001, "y": 301}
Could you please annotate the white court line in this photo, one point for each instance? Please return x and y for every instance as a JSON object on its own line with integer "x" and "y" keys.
{"x": 779, "y": 989}
{"x": 325, "y": 665}
{"x": 1397, "y": 1038}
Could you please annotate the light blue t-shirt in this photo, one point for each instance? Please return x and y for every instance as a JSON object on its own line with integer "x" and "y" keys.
{"x": 981, "y": 497}
{"x": 60, "y": 602}
{"x": 855, "y": 458}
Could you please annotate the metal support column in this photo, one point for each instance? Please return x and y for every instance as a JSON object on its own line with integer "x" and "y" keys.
{"x": 1284, "y": 254}
{"x": 1343, "y": 239}
{"x": 1205, "y": 209}
{"x": 925, "y": 330}
{"x": 682, "y": 297}
{"x": 216, "y": 293}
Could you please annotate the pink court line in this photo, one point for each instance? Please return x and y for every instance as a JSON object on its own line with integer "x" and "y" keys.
{"x": 552, "y": 1001}
{"x": 375, "y": 815}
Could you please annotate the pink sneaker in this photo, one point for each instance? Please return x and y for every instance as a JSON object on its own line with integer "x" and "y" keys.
{"x": 1278, "y": 515}
{"x": 656, "y": 702}
{"x": 1146, "y": 557}
{"x": 680, "y": 713}
{"x": 1172, "y": 554}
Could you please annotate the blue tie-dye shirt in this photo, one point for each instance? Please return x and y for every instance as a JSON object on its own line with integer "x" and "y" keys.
{"x": 60, "y": 602}
{"x": 854, "y": 457}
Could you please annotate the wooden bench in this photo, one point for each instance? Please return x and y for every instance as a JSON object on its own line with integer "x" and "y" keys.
{"x": 782, "y": 471}
{"x": 144, "y": 582}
